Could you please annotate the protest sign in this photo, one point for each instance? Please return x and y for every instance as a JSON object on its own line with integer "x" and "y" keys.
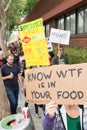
{"x": 64, "y": 84}
{"x": 49, "y": 45}
{"x": 59, "y": 36}
{"x": 34, "y": 43}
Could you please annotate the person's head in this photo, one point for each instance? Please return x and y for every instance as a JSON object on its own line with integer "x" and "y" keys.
{"x": 10, "y": 59}
{"x": 12, "y": 45}
{"x": 51, "y": 54}
{"x": 60, "y": 51}
{"x": 9, "y": 51}
{"x": 20, "y": 53}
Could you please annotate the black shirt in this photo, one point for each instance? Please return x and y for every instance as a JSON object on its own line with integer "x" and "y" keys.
{"x": 6, "y": 70}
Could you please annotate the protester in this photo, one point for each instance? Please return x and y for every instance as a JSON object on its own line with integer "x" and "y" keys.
{"x": 64, "y": 117}
{"x": 16, "y": 56}
{"x": 67, "y": 117}
{"x": 13, "y": 47}
{"x": 60, "y": 58}
{"x": 2, "y": 59}
{"x": 37, "y": 111}
{"x": 11, "y": 75}
{"x": 22, "y": 64}
{"x": 51, "y": 55}
{"x": 36, "y": 106}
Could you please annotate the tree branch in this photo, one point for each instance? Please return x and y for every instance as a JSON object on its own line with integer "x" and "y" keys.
{"x": 2, "y": 13}
{"x": 7, "y": 6}
{"x": 0, "y": 20}
{"x": 3, "y": 19}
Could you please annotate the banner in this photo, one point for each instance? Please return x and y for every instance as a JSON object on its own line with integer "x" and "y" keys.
{"x": 64, "y": 84}
{"x": 59, "y": 36}
{"x": 34, "y": 43}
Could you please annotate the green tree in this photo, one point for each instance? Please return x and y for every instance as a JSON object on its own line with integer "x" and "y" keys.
{"x": 29, "y": 6}
{"x": 10, "y": 16}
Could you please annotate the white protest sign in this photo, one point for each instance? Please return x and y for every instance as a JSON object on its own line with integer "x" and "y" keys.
{"x": 64, "y": 84}
{"x": 59, "y": 36}
{"x": 49, "y": 44}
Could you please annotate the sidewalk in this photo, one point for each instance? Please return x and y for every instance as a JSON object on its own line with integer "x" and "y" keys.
{"x": 37, "y": 121}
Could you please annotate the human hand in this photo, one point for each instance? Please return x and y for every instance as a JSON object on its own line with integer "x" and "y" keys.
{"x": 22, "y": 89}
{"x": 51, "y": 109}
{"x": 11, "y": 75}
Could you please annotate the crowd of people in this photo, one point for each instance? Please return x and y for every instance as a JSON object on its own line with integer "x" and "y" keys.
{"x": 13, "y": 74}
{"x": 56, "y": 117}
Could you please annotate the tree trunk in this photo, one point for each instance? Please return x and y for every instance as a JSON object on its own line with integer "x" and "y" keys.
{"x": 3, "y": 27}
{"x": 3, "y": 44}
{"x": 4, "y": 104}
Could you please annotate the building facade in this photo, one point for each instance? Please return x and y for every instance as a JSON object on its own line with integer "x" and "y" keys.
{"x": 63, "y": 14}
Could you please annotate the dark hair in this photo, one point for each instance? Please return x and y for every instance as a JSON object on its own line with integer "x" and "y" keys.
{"x": 60, "y": 47}
{"x": 9, "y": 55}
{"x": 51, "y": 54}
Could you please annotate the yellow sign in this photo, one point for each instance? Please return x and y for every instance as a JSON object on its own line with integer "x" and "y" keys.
{"x": 34, "y": 43}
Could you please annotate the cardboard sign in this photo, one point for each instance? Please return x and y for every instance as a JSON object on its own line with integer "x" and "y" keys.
{"x": 59, "y": 36}
{"x": 64, "y": 84}
{"x": 34, "y": 43}
{"x": 49, "y": 45}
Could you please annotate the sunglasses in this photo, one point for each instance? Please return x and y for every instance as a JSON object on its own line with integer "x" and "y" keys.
{"x": 60, "y": 50}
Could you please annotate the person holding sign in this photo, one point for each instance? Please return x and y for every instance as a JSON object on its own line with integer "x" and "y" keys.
{"x": 67, "y": 117}
{"x": 60, "y": 58}
{"x": 64, "y": 117}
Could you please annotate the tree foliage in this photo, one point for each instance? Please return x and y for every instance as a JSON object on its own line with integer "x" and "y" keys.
{"x": 14, "y": 14}
{"x": 29, "y": 6}
{"x": 11, "y": 12}
{"x": 10, "y": 16}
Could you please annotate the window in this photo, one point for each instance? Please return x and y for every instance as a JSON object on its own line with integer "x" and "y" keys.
{"x": 80, "y": 22}
{"x": 60, "y": 24}
{"x": 86, "y": 20}
{"x": 75, "y": 21}
{"x": 70, "y": 23}
{"x": 47, "y": 30}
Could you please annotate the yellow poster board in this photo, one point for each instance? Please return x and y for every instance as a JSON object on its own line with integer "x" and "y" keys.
{"x": 34, "y": 43}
